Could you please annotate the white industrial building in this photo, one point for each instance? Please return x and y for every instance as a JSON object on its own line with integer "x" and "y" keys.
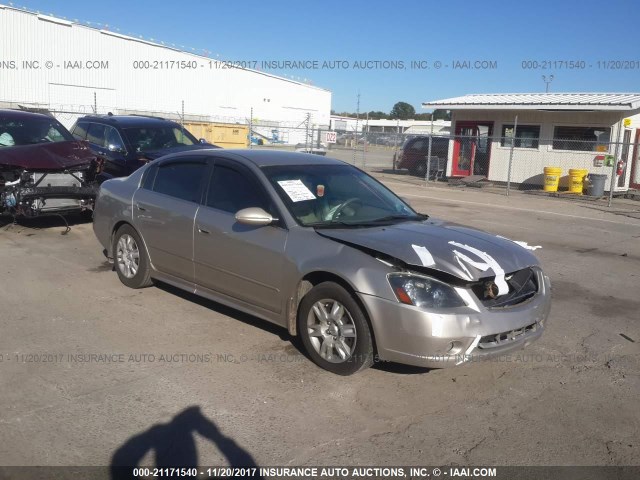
{"x": 550, "y": 131}
{"x": 416, "y": 127}
{"x": 72, "y": 68}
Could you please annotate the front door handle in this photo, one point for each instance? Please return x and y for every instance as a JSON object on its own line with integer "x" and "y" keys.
{"x": 202, "y": 230}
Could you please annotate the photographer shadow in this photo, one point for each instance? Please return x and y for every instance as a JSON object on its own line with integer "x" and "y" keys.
{"x": 173, "y": 445}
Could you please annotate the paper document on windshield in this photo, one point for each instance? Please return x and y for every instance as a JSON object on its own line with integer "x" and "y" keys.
{"x": 296, "y": 190}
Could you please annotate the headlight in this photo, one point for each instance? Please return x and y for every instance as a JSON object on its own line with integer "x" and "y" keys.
{"x": 423, "y": 291}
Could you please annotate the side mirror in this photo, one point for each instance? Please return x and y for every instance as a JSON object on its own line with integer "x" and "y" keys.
{"x": 203, "y": 140}
{"x": 115, "y": 149}
{"x": 254, "y": 216}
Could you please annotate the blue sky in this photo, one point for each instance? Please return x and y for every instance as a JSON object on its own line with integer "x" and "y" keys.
{"x": 508, "y": 32}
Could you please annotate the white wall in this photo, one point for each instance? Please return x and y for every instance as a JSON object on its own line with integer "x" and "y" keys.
{"x": 528, "y": 163}
{"x": 223, "y": 94}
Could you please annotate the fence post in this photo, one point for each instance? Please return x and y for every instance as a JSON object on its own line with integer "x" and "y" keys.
{"x": 513, "y": 144}
{"x": 395, "y": 155}
{"x": 251, "y": 129}
{"x": 306, "y": 138}
{"x": 614, "y": 164}
{"x": 428, "y": 172}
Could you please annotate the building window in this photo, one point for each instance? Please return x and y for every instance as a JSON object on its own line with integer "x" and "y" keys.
{"x": 527, "y": 136}
{"x": 583, "y": 139}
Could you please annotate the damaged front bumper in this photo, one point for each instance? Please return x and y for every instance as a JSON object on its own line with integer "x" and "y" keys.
{"x": 50, "y": 193}
{"x": 434, "y": 339}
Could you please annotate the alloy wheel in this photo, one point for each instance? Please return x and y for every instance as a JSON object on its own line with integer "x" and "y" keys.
{"x": 332, "y": 331}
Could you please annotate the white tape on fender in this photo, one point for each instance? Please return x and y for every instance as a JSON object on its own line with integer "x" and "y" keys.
{"x": 425, "y": 256}
{"x": 489, "y": 262}
{"x": 524, "y": 245}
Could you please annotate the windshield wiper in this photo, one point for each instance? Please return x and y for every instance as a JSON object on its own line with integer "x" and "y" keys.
{"x": 388, "y": 218}
{"x": 332, "y": 224}
{"x": 368, "y": 223}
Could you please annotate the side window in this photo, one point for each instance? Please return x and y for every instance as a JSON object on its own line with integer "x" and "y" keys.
{"x": 79, "y": 130}
{"x": 418, "y": 145}
{"x": 96, "y": 134}
{"x": 149, "y": 177}
{"x": 230, "y": 191}
{"x": 113, "y": 140}
{"x": 180, "y": 180}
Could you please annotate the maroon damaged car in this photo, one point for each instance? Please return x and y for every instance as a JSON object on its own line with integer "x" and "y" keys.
{"x": 43, "y": 169}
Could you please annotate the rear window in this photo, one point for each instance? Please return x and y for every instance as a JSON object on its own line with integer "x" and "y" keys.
{"x": 145, "y": 139}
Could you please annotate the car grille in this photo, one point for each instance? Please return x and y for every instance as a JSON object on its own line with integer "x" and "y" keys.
{"x": 504, "y": 338}
{"x": 523, "y": 285}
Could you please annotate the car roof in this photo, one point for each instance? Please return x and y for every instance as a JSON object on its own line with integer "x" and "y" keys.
{"x": 127, "y": 120}
{"x": 21, "y": 114}
{"x": 263, "y": 158}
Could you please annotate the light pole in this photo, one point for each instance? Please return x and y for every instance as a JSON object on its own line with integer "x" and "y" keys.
{"x": 547, "y": 82}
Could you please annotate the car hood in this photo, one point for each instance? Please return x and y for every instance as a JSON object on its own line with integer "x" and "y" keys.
{"x": 46, "y": 156}
{"x": 153, "y": 154}
{"x": 453, "y": 249}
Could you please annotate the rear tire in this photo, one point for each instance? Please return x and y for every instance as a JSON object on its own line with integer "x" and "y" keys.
{"x": 334, "y": 330}
{"x": 419, "y": 170}
{"x": 130, "y": 258}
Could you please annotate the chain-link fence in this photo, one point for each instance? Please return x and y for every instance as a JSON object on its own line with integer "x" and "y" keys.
{"x": 566, "y": 165}
{"x": 303, "y": 133}
{"x": 587, "y": 162}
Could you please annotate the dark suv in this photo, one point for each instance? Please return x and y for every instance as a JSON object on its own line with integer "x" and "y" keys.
{"x": 414, "y": 152}
{"x": 126, "y": 142}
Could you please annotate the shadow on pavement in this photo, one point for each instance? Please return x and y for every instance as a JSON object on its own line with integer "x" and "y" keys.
{"x": 65, "y": 222}
{"x": 173, "y": 445}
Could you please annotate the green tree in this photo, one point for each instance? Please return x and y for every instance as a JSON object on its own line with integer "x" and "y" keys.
{"x": 377, "y": 115}
{"x": 402, "y": 111}
{"x": 441, "y": 115}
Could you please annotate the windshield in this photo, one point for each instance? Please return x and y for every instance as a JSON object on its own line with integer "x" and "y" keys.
{"x": 31, "y": 131}
{"x": 336, "y": 195}
{"x": 158, "y": 138}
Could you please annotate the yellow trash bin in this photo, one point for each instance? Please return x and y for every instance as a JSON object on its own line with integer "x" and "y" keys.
{"x": 551, "y": 178}
{"x": 576, "y": 181}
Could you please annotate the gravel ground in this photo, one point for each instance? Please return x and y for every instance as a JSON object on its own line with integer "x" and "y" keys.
{"x": 178, "y": 372}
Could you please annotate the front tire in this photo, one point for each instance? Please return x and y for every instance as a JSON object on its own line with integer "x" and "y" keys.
{"x": 334, "y": 330}
{"x": 130, "y": 258}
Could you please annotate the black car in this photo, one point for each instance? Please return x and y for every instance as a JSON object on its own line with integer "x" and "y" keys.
{"x": 126, "y": 142}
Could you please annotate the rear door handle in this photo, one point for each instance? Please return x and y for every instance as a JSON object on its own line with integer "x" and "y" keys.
{"x": 202, "y": 230}
{"x": 142, "y": 209}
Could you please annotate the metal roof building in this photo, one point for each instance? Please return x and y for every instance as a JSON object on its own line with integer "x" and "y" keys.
{"x": 73, "y": 67}
{"x": 562, "y": 130}
{"x": 541, "y": 101}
